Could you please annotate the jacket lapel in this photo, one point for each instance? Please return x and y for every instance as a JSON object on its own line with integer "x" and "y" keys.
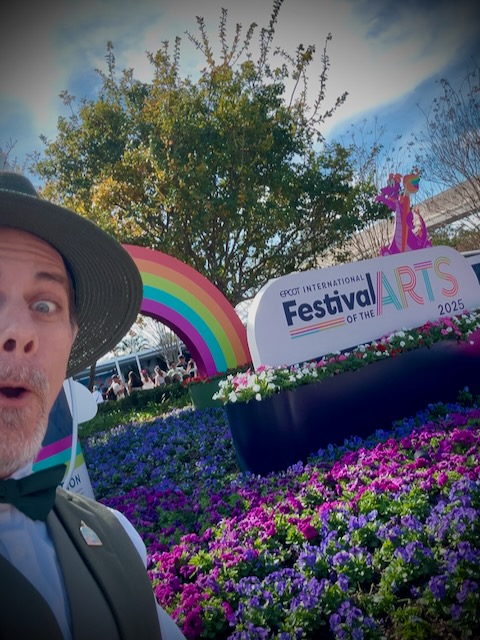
{"x": 16, "y": 619}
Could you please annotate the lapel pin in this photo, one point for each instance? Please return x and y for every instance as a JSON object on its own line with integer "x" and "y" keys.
{"x": 89, "y": 535}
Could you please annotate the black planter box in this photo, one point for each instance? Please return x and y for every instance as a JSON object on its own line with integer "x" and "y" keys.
{"x": 272, "y": 434}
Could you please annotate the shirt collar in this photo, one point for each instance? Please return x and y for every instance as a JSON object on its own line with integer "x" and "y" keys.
{"x": 26, "y": 470}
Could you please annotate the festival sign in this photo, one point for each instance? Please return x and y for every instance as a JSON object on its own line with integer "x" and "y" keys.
{"x": 308, "y": 314}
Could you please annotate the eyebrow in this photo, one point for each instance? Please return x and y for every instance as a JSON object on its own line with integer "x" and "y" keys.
{"x": 52, "y": 277}
{"x": 68, "y": 283}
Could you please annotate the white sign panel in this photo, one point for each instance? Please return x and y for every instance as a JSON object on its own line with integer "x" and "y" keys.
{"x": 84, "y": 401}
{"x": 305, "y": 315}
{"x": 86, "y": 407}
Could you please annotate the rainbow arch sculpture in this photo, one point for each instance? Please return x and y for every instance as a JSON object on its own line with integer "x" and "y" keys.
{"x": 187, "y": 302}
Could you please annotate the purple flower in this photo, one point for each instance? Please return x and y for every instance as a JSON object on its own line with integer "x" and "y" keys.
{"x": 456, "y": 611}
{"x": 335, "y": 621}
{"x": 343, "y": 582}
{"x": 468, "y": 586}
{"x": 436, "y": 585}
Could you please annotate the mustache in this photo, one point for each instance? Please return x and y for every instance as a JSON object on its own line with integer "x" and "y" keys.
{"x": 24, "y": 376}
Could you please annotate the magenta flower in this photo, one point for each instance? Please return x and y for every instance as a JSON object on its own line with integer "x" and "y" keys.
{"x": 343, "y": 545}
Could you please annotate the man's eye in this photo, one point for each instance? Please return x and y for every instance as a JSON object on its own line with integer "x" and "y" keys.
{"x": 44, "y": 306}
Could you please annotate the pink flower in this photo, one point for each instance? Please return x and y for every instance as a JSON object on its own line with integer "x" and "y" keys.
{"x": 192, "y": 627}
{"x": 442, "y": 479}
{"x": 307, "y": 530}
{"x": 229, "y": 613}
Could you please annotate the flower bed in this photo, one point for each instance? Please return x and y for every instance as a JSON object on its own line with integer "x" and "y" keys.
{"x": 277, "y": 416}
{"x": 378, "y": 538}
{"x": 268, "y": 381}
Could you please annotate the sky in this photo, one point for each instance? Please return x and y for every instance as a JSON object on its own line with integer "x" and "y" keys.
{"x": 388, "y": 55}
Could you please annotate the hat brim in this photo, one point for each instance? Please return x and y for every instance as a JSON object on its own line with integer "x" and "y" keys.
{"x": 108, "y": 285}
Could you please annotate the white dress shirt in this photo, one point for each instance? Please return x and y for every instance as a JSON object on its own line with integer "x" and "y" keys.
{"x": 27, "y": 545}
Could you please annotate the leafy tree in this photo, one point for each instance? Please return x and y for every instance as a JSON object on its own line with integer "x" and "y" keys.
{"x": 229, "y": 173}
{"x": 372, "y": 160}
{"x": 461, "y": 237}
{"x": 449, "y": 153}
{"x": 160, "y": 337}
{"x": 132, "y": 343}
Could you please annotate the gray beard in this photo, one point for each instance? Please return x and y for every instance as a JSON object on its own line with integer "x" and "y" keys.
{"x": 18, "y": 447}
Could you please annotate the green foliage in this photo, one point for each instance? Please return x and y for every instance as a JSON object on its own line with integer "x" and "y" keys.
{"x": 229, "y": 173}
{"x": 462, "y": 237}
{"x": 140, "y": 406}
{"x": 140, "y": 399}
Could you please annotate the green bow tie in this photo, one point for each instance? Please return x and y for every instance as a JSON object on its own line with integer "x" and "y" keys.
{"x": 34, "y": 494}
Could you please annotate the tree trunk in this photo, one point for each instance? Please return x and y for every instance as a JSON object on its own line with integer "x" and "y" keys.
{"x": 91, "y": 379}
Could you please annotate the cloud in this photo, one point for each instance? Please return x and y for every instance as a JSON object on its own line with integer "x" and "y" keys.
{"x": 381, "y": 50}
{"x": 397, "y": 46}
{"x": 28, "y": 58}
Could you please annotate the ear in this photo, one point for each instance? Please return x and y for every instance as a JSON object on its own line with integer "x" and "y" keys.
{"x": 74, "y": 332}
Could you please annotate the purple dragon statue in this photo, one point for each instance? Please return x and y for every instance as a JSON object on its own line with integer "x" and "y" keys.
{"x": 405, "y": 236}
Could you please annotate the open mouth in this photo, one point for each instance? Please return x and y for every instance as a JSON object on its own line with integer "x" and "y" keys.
{"x": 12, "y": 392}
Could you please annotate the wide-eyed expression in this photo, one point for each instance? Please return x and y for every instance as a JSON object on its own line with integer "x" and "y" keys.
{"x": 36, "y": 336}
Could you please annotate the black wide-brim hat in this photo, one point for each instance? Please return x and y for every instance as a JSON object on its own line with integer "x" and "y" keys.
{"x": 107, "y": 283}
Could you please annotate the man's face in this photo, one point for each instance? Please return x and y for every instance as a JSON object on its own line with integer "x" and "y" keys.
{"x": 36, "y": 337}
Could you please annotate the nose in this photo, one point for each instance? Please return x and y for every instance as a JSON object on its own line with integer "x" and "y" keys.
{"x": 17, "y": 334}
{"x": 11, "y": 344}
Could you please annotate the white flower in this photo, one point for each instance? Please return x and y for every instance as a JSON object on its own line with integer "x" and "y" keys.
{"x": 269, "y": 380}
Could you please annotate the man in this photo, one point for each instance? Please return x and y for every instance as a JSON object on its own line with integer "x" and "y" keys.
{"x": 69, "y": 567}
{"x": 181, "y": 364}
